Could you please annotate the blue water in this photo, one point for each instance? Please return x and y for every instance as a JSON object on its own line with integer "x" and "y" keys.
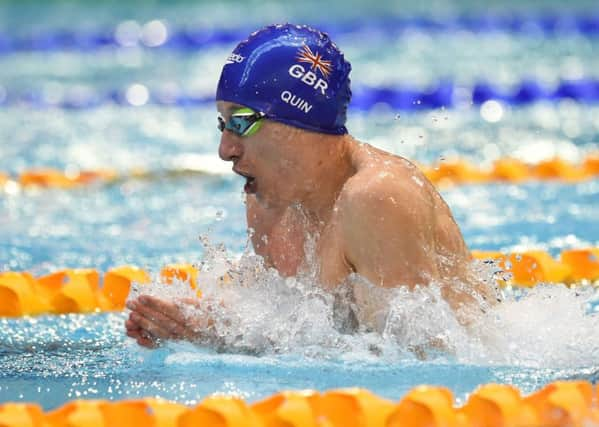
{"x": 547, "y": 335}
{"x": 54, "y": 359}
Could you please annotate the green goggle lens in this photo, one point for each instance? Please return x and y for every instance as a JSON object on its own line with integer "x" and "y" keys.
{"x": 243, "y": 122}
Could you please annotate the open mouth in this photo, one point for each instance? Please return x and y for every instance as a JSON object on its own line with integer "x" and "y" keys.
{"x": 250, "y": 182}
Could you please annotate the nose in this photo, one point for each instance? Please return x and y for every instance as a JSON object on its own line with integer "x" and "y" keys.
{"x": 230, "y": 148}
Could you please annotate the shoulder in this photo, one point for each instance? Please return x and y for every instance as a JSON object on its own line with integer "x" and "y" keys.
{"x": 385, "y": 184}
{"x": 386, "y": 219}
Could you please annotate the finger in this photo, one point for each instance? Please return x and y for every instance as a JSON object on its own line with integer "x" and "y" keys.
{"x": 133, "y": 334}
{"x": 146, "y": 342}
{"x": 168, "y": 308}
{"x": 130, "y": 325}
{"x": 131, "y": 304}
{"x": 175, "y": 331}
{"x": 149, "y": 326}
{"x": 149, "y": 340}
{"x": 143, "y": 338}
{"x": 158, "y": 318}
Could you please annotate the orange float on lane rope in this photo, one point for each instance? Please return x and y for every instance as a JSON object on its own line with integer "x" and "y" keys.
{"x": 563, "y": 403}
{"x": 78, "y": 413}
{"x": 583, "y": 263}
{"x": 45, "y": 178}
{"x": 165, "y": 413}
{"x": 128, "y": 413}
{"x": 79, "y": 293}
{"x": 425, "y": 406}
{"x": 455, "y": 172}
{"x": 220, "y": 411}
{"x": 352, "y": 407}
{"x": 591, "y": 165}
{"x": 532, "y": 267}
{"x": 89, "y": 177}
{"x": 557, "y": 168}
{"x": 446, "y": 172}
{"x": 102, "y": 413}
{"x": 288, "y": 409}
{"x": 529, "y": 268}
{"x": 21, "y": 415}
{"x": 18, "y": 296}
{"x": 511, "y": 170}
{"x": 497, "y": 405}
{"x": 51, "y": 284}
{"x": 117, "y": 284}
{"x": 182, "y": 272}
{"x": 76, "y": 291}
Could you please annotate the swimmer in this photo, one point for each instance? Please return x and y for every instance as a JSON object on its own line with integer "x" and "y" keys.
{"x": 282, "y": 100}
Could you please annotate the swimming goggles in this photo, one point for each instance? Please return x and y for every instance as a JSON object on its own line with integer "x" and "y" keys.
{"x": 243, "y": 122}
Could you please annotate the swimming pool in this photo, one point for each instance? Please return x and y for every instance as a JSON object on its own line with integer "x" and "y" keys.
{"x": 528, "y": 341}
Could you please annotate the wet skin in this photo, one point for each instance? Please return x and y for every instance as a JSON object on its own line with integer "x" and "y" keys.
{"x": 370, "y": 212}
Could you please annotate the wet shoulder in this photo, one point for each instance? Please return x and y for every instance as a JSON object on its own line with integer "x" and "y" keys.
{"x": 383, "y": 176}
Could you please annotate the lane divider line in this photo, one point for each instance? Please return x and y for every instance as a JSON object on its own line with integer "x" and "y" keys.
{"x": 443, "y": 173}
{"x": 559, "y": 403}
{"x": 83, "y": 291}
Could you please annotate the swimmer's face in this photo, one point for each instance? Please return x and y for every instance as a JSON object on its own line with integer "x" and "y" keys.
{"x": 270, "y": 159}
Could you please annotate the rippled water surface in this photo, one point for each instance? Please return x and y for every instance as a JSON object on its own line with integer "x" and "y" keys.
{"x": 285, "y": 334}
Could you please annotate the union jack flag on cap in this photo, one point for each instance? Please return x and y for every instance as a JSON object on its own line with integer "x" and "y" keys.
{"x": 315, "y": 60}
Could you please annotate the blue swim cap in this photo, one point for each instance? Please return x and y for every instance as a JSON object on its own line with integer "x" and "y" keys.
{"x": 294, "y": 74}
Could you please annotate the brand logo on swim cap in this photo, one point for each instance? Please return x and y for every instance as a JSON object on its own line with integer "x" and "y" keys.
{"x": 315, "y": 60}
{"x": 234, "y": 58}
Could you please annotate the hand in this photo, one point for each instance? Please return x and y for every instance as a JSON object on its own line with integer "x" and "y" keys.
{"x": 152, "y": 319}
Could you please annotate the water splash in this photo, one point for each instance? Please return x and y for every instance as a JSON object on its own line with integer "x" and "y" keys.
{"x": 547, "y": 326}
{"x": 256, "y": 311}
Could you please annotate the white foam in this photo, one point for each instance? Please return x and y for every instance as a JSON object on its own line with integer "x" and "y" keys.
{"x": 259, "y": 312}
{"x": 548, "y": 326}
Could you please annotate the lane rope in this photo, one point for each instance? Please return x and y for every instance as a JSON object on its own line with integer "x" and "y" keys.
{"x": 85, "y": 291}
{"x": 560, "y": 403}
{"x": 159, "y": 34}
{"x": 444, "y": 94}
{"x": 443, "y": 174}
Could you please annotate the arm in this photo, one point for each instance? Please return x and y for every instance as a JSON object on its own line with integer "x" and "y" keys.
{"x": 395, "y": 233}
{"x": 388, "y": 230}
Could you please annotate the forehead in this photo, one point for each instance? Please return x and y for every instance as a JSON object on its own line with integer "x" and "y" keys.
{"x": 226, "y": 108}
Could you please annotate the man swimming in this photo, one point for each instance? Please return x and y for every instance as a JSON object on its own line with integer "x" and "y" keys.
{"x": 282, "y": 99}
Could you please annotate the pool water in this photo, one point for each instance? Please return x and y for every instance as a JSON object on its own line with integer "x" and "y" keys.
{"x": 530, "y": 339}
